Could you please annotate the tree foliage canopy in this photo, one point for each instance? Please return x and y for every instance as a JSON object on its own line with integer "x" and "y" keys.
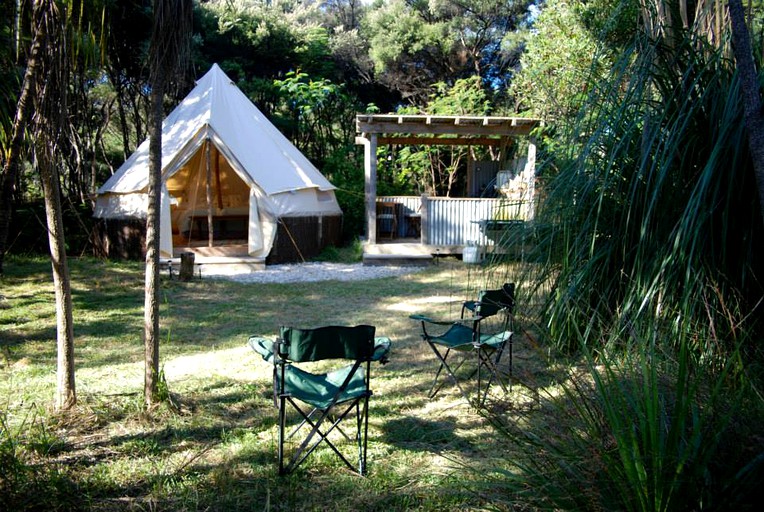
{"x": 312, "y": 65}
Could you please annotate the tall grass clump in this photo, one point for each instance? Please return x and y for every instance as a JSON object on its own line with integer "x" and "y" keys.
{"x": 650, "y": 245}
{"x": 654, "y": 204}
{"x": 26, "y": 481}
{"x": 643, "y": 431}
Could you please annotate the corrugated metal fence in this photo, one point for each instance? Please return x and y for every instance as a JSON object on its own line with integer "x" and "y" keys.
{"x": 453, "y": 221}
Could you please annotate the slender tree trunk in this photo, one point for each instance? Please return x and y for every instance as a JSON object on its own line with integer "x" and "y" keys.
{"x": 136, "y": 100}
{"x": 50, "y": 105}
{"x": 121, "y": 93}
{"x": 169, "y": 49}
{"x": 23, "y": 112}
{"x": 17, "y": 32}
{"x": 151, "y": 306}
{"x": 66, "y": 396}
{"x": 749, "y": 81}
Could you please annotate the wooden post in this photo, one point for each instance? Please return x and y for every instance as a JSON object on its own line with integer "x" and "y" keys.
{"x": 218, "y": 188}
{"x": 470, "y": 172}
{"x": 210, "y": 236}
{"x": 530, "y": 201}
{"x": 424, "y": 221}
{"x": 370, "y": 186}
{"x": 186, "y": 266}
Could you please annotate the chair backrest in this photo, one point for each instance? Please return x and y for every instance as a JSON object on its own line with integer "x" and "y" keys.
{"x": 491, "y": 302}
{"x": 330, "y": 342}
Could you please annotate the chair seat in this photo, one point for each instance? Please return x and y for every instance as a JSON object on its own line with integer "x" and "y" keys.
{"x": 459, "y": 337}
{"x": 319, "y": 390}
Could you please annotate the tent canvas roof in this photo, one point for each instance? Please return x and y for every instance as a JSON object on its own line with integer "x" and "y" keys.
{"x": 217, "y": 108}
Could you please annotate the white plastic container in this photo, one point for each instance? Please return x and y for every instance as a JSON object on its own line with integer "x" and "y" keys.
{"x": 471, "y": 254}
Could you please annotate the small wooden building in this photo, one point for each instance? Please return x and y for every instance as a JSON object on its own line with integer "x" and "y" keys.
{"x": 401, "y": 228}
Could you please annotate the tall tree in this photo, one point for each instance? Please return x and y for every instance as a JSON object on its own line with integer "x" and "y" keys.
{"x": 749, "y": 81}
{"x": 168, "y": 53}
{"x": 49, "y": 95}
{"x": 415, "y": 44}
{"x": 57, "y": 42}
{"x": 561, "y": 59}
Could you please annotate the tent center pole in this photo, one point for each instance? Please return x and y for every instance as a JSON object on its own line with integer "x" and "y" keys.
{"x": 209, "y": 193}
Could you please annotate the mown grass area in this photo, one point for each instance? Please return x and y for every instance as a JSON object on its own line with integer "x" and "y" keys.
{"x": 213, "y": 447}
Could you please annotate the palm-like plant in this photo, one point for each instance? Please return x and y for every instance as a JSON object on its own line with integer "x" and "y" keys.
{"x": 654, "y": 207}
{"x": 650, "y": 240}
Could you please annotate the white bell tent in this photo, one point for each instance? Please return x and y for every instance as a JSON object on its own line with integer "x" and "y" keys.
{"x": 222, "y": 159}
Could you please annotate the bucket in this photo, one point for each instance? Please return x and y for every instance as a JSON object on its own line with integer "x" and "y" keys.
{"x": 471, "y": 254}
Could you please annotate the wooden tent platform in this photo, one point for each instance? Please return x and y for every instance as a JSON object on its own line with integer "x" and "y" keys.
{"x": 233, "y": 258}
{"x": 223, "y": 259}
{"x": 398, "y": 253}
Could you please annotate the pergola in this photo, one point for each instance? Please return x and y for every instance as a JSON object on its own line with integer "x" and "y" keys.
{"x": 376, "y": 129}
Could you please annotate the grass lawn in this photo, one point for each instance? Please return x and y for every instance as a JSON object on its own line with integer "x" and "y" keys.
{"x": 216, "y": 450}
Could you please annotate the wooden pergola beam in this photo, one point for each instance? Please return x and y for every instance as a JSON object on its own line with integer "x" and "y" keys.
{"x": 438, "y": 125}
{"x": 442, "y": 141}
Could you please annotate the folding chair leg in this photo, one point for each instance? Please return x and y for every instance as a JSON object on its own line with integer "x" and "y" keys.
{"x": 449, "y": 372}
{"x": 486, "y": 360}
{"x": 433, "y": 391}
{"x": 306, "y": 447}
{"x": 301, "y": 424}
{"x": 363, "y": 426}
{"x": 282, "y": 422}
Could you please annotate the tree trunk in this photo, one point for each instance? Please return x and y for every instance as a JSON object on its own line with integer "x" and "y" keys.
{"x": 151, "y": 306}
{"x": 119, "y": 89}
{"x": 23, "y": 112}
{"x": 66, "y": 396}
{"x": 50, "y": 99}
{"x": 170, "y": 43}
{"x": 749, "y": 82}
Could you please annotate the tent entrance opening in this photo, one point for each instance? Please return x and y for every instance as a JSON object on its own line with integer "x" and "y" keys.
{"x": 208, "y": 187}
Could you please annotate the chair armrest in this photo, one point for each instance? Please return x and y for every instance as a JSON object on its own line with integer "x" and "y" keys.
{"x": 468, "y": 319}
{"x": 381, "y": 349}
{"x": 262, "y": 346}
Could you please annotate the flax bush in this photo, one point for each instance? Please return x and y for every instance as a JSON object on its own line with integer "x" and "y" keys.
{"x": 649, "y": 243}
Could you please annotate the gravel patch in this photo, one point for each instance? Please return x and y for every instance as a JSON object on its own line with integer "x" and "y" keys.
{"x": 312, "y": 272}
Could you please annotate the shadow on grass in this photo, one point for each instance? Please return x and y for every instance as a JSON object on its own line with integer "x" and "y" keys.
{"x": 411, "y": 433}
{"x": 220, "y": 452}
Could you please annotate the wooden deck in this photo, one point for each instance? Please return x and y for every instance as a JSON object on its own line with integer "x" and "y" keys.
{"x": 224, "y": 259}
{"x": 233, "y": 258}
{"x": 398, "y": 252}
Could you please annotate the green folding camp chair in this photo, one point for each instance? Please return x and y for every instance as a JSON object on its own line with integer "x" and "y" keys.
{"x": 473, "y": 344}
{"x": 330, "y": 397}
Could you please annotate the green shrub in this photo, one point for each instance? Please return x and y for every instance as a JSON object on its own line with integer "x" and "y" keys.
{"x": 653, "y": 203}
{"x": 648, "y": 250}
{"x": 352, "y": 253}
{"x": 640, "y": 432}
{"x": 27, "y": 482}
